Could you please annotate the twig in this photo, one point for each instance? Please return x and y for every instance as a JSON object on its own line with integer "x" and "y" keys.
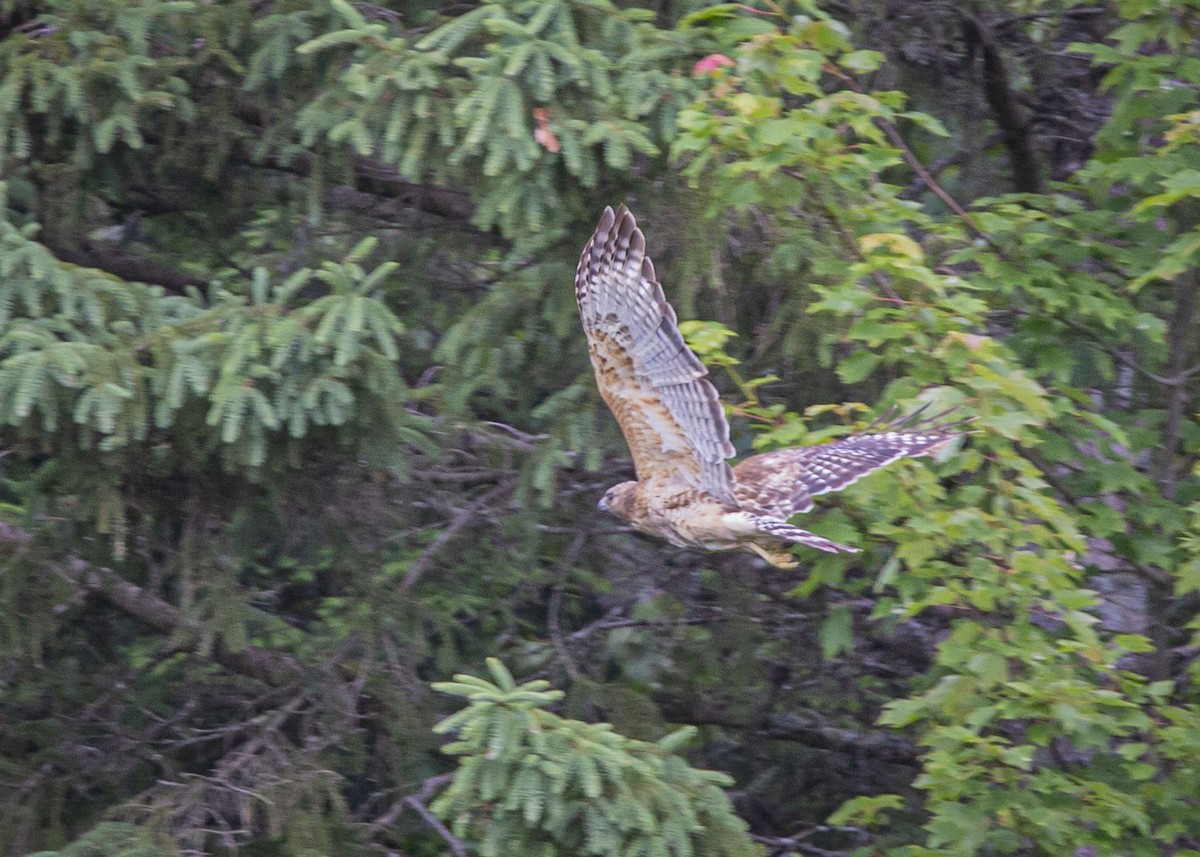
{"x": 554, "y": 609}
{"x": 465, "y": 516}
{"x": 913, "y": 161}
{"x": 807, "y": 728}
{"x": 784, "y": 844}
{"x": 433, "y": 821}
{"x": 938, "y": 167}
{"x": 431, "y": 785}
{"x": 924, "y": 175}
{"x": 1077, "y": 12}
{"x": 1151, "y": 573}
{"x": 851, "y": 243}
{"x": 1115, "y": 353}
{"x": 513, "y": 431}
{"x": 614, "y": 624}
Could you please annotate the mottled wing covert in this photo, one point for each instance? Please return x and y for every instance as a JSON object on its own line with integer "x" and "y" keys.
{"x": 782, "y": 483}
{"x": 652, "y": 382}
{"x": 771, "y": 484}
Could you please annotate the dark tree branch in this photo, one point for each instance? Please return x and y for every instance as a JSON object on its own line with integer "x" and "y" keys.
{"x": 924, "y": 176}
{"x": 928, "y": 180}
{"x": 371, "y": 179}
{"x": 807, "y": 729}
{"x": 780, "y": 845}
{"x": 428, "y": 789}
{"x": 370, "y": 176}
{"x": 453, "y": 842}
{"x": 1005, "y": 108}
{"x": 1179, "y": 333}
{"x": 464, "y": 517}
{"x": 920, "y": 184}
{"x": 113, "y": 260}
{"x": 255, "y": 662}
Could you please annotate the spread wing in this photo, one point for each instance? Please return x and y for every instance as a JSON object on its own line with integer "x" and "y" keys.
{"x": 652, "y": 382}
{"x": 782, "y": 483}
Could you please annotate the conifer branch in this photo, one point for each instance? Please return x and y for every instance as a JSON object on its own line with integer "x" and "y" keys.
{"x": 270, "y": 667}
{"x": 115, "y": 261}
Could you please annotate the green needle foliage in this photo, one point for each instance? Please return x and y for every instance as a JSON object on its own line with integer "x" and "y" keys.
{"x": 457, "y": 102}
{"x": 91, "y": 362}
{"x": 534, "y": 782}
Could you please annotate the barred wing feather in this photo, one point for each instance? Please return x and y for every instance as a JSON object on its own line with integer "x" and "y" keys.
{"x": 654, "y": 385}
{"x": 782, "y": 483}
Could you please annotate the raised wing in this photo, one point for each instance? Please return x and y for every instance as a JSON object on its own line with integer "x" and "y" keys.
{"x": 782, "y": 483}
{"x": 652, "y": 382}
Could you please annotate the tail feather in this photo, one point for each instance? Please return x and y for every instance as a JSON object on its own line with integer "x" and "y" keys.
{"x": 790, "y": 533}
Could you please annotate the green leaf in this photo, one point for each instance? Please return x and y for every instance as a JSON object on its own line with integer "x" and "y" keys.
{"x": 861, "y": 62}
{"x": 857, "y": 366}
{"x": 837, "y": 633}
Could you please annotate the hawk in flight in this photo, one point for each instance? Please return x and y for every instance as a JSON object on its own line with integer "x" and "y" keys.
{"x": 672, "y": 420}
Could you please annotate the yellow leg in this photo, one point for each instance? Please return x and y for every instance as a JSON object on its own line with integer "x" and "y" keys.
{"x": 779, "y": 559}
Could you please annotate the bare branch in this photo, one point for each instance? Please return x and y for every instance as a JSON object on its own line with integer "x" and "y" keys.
{"x": 462, "y": 519}
{"x": 428, "y": 788}
{"x": 779, "y": 845}
{"x": 113, "y": 260}
{"x": 804, "y": 728}
{"x": 1005, "y": 108}
{"x": 928, "y": 180}
{"x": 433, "y": 821}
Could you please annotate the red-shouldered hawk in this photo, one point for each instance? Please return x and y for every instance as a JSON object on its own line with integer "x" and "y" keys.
{"x": 672, "y": 420}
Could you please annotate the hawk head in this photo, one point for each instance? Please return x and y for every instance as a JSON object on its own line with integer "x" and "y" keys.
{"x": 619, "y": 500}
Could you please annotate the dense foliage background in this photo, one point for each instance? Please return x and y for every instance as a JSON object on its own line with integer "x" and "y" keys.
{"x": 298, "y": 423}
